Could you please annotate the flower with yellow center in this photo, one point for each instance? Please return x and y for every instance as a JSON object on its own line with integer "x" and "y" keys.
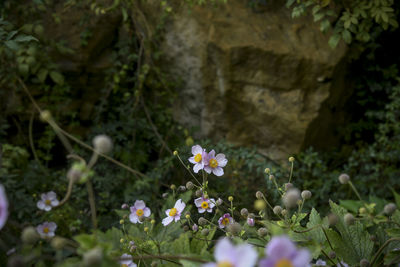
{"x": 46, "y": 230}
{"x": 198, "y": 158}
{"x": 215, "y": 163}
{"x": 48, "y": 201}
{"x": 126, "y": 261}
{"x": 139, "y": 212}
{"x": 225, "y": 220}
{"x": 172, "y": 212}
{"x": 204, "y": 204}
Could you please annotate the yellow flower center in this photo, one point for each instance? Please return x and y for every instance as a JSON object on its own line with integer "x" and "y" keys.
{"x": 283, "y": 263}
{"x": 172, "y": 212}
{"x": 225, "y": 264}
{"x": 213, "y": 163}
{"x": 197, "y": 158}
{"x": 46, "y": 230}
{"x": 225, "y": 221}
{"x": 204, "y": 205}
{"x": 47, "y": 202}
{"x": 139, "y": 212}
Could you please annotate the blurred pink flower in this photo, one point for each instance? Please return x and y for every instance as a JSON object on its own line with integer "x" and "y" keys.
{"x": 48, "y": 201}
{"x": 46, "y": 229}
{"x": 3, "y": 207}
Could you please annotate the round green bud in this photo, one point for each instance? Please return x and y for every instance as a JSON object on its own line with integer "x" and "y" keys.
{"x": 277, "y": 210}
{"x": 349, "y": 219}
{"x": 121, "y": 221}
{"x": 332, "y": 219}
{"x": 244, "y": 212}
{"x": 362, "y": 210}
{"x": 271, "y": 177}
{"x": 189, "y": 185}
{"x": 102, "y": 144}
{"x": 153, "y": 221}
{"x": 389, "y": 209}
{"x": 175, "y": 153}
{"x": 291, "y": 159}
{"x": 146, "y": 229}
{"x": 199, "y": 193}
{"x": 284, "y": 212}
{"x": 262, "y": 232}
{"x": 332, "y": 254}
{"x": 259, "y": 204}
{"x": 30, "y": 235}
{"x": 121, "y": 240}
{"x": 187, "y": 216}
{"x": 230, "y": 198}
{"x": 173, "y": 187}
{"x": 259, "y": 195}
{"x": 202, "y": 221}
{"x": 205, "y": 232}
{"x": 306, "y": 194}
{"x": 93, "y": 257}
{"x": 344, "y": 178}
{"x": 234, "y": 228}
{"x": 267, "y": 170}
{"x": 45, "y": 115}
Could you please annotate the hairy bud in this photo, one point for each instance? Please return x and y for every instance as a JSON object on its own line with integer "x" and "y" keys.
{"x": 291, "y": 159}
{"x": 102, "y": 144}
{"x": 389, "y": 209}
{"x": 219, "y": 202}
{"x": 344, "y": 178}
{"x": 364, "y": 263}
{"x": 186, "y": 228}
{"x": 202, "y": 221}
{"x": 288, "y": 186}
{"x": 93, "y": 257}
{"x": 332, "y": 254}
{"x": 199, "y": 193}
{"x": 124, "y": 206}
{"x": 182, "y": 188}
{"x": 173, "y": 187}
{"x": 189, "y": 185}
{"x": 259, "y": 204}
{"x": 244, "y": 212}
{"x": 306, "y": 194}
{"x": 234, "y": 228}
{"x": 74, "y": 175}
{"x": 29, "y": 235}
{"x": 165, "y": 195}
{"x": 259, "y": 195}
{"x": 205, "y": 232}
{"x": 332, "y": 219}
{"x": 291, "y": 197}
{"x": 349, "y": 219}
{"x": 262, "y": 232}
{"x": 277, "y": 210}
{"x": 230, "y": 198}
{"x": 45, "y": 115}
{"x": 58, "y": 242}
{"x": 251, "y": 215}
{"x": 195, "y": 227}
{"x": 271, "y": 177}
{"x": 284, "y": 212}
{"x": 267, "y": 170}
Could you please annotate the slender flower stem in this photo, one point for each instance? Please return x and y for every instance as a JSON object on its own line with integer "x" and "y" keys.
{"x": 382, "y": 248}
{"x": 188, "y": 169}
{"x": 355, "y": 190}
{"x": 92, "y": 203}
{"x": 291, "y": 172}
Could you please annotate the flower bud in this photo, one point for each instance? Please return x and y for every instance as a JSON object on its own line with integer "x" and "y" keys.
{"x": 74, "y": 175}
{"x": 364, "y": 263}
{"x": 202, "y": 221}
{"x": 182, "y": 188}
{"x": 173, "y": 187}
{"x": 349, "y": 219}
{"x": 230, "y": 198}
{"x": 284, "y": 212}
{"x": 290, "y": 198}
{"x": 121, "y": 221}
{"x": 267, "y": 170}
{"x": 146, "y": 229}
{"x": 29, "y": 235}
{"x": 205, "y": 196}
{"x": 187, "y": 216}
{"x": 45, "y": 115}
{"x": 142, "y": 218}
{"x": 93, "y": 257}
{"x": 251, "y": 215}
{"x": 306, "y": 194}
{"x": 362, "y": 210}
{"x": 153, "y": 221}
{"x": 58, "y": 242}
{"x": 271, "y": 177}
{"x": 199, "y": 193}
{"x": 288, "y": 186}
{"x": 259, "y": 195}
{"x": 291, "y": 159}
{"x": 277, "y": 210}
{"x": 259, "y": 204}
{"x": 372, "y": 238}
{"x": 389, "y": 209}
{"x": 262, "y": 231}
{"x": 124, "y": 206}
{"x": 332, "y": 219}
{"x": 205, "y": 232}
{"x": 234, "y": 228}
{"x": 332, "y": 254}
{"x": 189, "y": 185}
{"x": 185, "y": 228}
{"x": 165, "y": 195}
{"x": 244, "y": 212}
{"x": 344, "y": 178}
{"x": 121, "y": 241}
{"x": 102, "y": 144}
{"x": 175, "y": 153}
{"x": 250, "y": 221}
{"x": 195, "y": 227}
{"x": 219, "y": 202}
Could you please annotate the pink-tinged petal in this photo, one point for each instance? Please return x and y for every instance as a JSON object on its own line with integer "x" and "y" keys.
{"x": 139, "y": 204}
{"x": 50, "y": 234}
{"x": 280, "y": 247}
{"x": 218, "y": 171}
{"x": 224, "y": 250}
{"x": 209, "y": 210}
{"x": 47, "y": 208}
{"x": 55, "y": 202}
{"x": 197, "y": 150}
{"x": 208, "y": 169}
{"x": 179, "y": 205}
{"x": 146, "y": 212}
{"x": 211, "y": 154}
{"x": 52, "y": 226}
{"x": 201, "y": 210}
{"x": 40, "y": 204}
{"x": 43, "y": 196}
{"x": 198, "y": 201}
{"x": 51, "y": 195}
{"x": 132, "y": 264}
{"x": 246, "y": 256}
{"x": 133, "y": 218}
{"x": 167, "y": 220}
{"x": 222, "y": 161}
{"x": 197, "y": 167}
{"x": 302, "y": 258}
{"x": 211, "y": 264}
{"x": 266, "y": 263}
{"x": 211, "y": 203}
{"x": 177, "y": 217}
{"x": 191, "y": 160}
{"x": 167, "y": 212}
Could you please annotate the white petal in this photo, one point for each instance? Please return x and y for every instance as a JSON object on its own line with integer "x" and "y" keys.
{"x": 222, "y": 161}
{"x": 54, "y": 203}
{"x": 51, "y": 195}
{"x": 52, "y": 226}
{"x": 197, "y": 167}
{"x": 167, "y": 212}
{"x": 177, "y": 217}
{"x": 218, "y": 171}
{"x": 223, "y": 250}
{"x": 198, "y": 201}
{"x": 197, "y": 149}
{"x": 139, "y": 204}
{"x": 246, "y": 256}
{"x": 167, "y": 221}
{"x": 146, "y": 212}
{"x": 47, "y": 207}
{"x": 209, "y": 210}
{"x": 212, "y": 203}
{"x": 40, "y": 204}
{"x": 191, "y": 160}
{"x": 207, "y": 169}
{"x": 211, "y": 154}
{"x": 133, "y": 218}
{"x": 201, "y": 210}
{"x": 179, "y": 205}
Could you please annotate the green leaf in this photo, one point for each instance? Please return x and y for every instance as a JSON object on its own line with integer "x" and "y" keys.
{"x": 25, "y": 38}
{"x": 317, "y": 233}
{"x": 12, "y": 45}
{"x": 393, "y": 232}
{"x": 42, "y": 74}
{"x": 334, "y": 40}
{"x": 57, "y": 77}
{"x": 351, "y": 205}
{"x": 346, "y": 35}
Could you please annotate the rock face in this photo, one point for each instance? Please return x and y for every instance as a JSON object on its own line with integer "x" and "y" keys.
{"x": 253, "y": 77}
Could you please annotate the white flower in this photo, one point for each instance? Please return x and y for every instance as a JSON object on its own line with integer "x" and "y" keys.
{"x": 138, "y": 210}
{"x": 126, "y": 261}
{"x": 48, "y": 201}
{"x": 174, "y": 213}
{"x": 46, "y": 229}
{"x": 198, "y": 158}
{"x": 214, "y": 163}
{"x": 204, "y": 204}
